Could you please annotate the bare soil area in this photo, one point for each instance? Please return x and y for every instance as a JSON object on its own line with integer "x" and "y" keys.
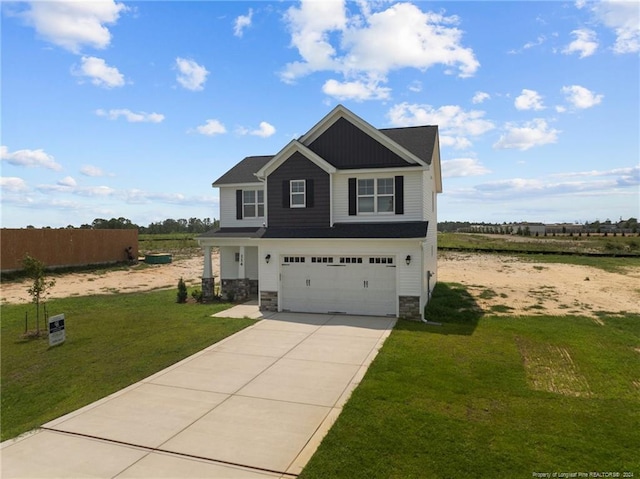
{"x": 501, "y": 284}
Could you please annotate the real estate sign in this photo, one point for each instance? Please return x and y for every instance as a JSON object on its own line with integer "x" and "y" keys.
{"x": 56, "y": 330}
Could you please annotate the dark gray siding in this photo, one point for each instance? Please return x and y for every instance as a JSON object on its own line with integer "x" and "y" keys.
{"x": 344, "y": 145}
{"x": 298, "y": 167}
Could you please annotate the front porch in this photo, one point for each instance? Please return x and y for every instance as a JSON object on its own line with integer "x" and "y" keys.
{"x": 238, "y": 273}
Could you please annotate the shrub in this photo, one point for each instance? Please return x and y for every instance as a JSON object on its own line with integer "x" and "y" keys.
{"x": 197, "y": 295}
{"x": 182, "y": 292}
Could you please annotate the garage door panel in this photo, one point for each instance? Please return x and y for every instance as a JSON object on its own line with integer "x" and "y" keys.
{"x": 356, "y": 287}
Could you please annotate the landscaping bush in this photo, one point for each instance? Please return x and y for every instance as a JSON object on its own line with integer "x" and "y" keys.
{"x": 182, "y": 292}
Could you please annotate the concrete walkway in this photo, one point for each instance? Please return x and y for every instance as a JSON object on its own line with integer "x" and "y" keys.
{"x": 255, "y": 405}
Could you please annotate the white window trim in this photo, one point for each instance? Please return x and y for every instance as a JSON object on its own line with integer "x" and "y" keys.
{"x": 303, "y": 193}
{"x": 256, "y": 203}
{"x": 376, "y": 196}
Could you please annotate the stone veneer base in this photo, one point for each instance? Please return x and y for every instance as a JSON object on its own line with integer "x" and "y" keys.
{"x": 410, "y": 308}
{"x": 269, "y": 301}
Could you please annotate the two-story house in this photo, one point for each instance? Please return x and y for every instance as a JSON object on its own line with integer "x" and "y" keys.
{"x": 341, "y": 220}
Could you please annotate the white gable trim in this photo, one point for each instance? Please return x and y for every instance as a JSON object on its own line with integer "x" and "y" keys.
{"x": 286, "y": 152}
{"x": 435, "y": 162}
{"x": 342, "y": 112}
{"x": 254, "y": 185}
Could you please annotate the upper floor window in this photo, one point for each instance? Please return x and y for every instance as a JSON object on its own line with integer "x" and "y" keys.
{"x": 376, "y": 195}
{"x": 298, "y": 193}
{"x": 252, "y": 203}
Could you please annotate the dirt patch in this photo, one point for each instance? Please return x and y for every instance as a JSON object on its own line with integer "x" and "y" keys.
{"x": 506, "y": 285}
{"x": 501, "y": 284}
{"x": 141, "y": 277}
{"x": 551, "y": 368}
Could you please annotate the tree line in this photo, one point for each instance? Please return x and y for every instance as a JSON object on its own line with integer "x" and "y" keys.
{"x": 630, "y": 226}
{"x": 168, "y": 226}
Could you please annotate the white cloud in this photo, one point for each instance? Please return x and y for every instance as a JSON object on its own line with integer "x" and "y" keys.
{"x": 30, "y": 158}
{"x": 623, "y": 17}
{"x": 530, "y": 134}
{"x": 13, "y": 184}
{"x": 365, "y": 46}
{"x": 68, "y": 181}
{"x": 191, "y": 75}
{"x": 242, "y": 22}
{"x": 480, "y": 97}
{"x": 99, "y": 72}
{"x": 455, "y": 124}
{"x": 74, "y": 24}
{"x": 529, "y": 100}
{"x": 579, "y": 184}
{"x": 211, "y": 128}
{"x": 628, "y": 172}
{"x": 415, "y": 86}
{"x": 131, "y": 116}
{"x": 539, "y": 41}
{"x": 93, "y": 171}
{"x": 265, "y": 130}
{"x": 461, "y": 167}
{"x": 585, "y": 43}
{"x": 355, "y": 90}
{"x": 581, "y": 97}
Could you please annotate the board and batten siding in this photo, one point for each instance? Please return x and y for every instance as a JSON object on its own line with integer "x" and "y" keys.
{"x": 228, "y": 208}
{"x": 280, "y": 213}
{"x": 413, "y": 198}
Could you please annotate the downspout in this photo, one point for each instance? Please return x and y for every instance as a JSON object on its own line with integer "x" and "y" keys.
{"x": 431, "y": 323}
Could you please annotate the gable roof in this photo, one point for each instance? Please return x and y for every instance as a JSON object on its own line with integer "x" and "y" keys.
{"x": 243, "y": 172}
{"x": 340, "y": 112}
{"x": 419, "y": 140}
{"x": 387, "y": 147}
{"x": 286, "y": 152}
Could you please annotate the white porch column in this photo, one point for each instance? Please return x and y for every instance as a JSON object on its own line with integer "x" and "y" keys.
{"x": 207, "y": 263}
{"x": 207, "y": 277}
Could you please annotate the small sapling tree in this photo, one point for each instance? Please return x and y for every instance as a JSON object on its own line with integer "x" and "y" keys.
{"x": 38, "y": 290}
{"x": 182, "y": 291}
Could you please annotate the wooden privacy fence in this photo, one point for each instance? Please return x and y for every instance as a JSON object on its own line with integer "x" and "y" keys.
{"x": 58, "y": 248}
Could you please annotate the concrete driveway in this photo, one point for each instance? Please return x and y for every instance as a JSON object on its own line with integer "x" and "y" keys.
{"x": 255, "y": 405}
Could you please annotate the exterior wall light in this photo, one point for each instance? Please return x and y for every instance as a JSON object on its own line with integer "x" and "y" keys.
{"x": 408, "y": 259}
{"x": 267, "y": 258}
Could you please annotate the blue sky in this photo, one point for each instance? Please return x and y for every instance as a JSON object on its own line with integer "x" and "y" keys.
{"x": 133, "y": 109}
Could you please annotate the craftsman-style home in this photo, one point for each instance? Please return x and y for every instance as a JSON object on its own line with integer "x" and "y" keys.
{"x": 341, "y": 220}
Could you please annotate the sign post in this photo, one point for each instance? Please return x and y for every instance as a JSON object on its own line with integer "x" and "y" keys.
{"x": 56, "y": 330}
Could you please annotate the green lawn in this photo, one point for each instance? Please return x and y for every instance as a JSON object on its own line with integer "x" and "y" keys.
{"x": 488, "y": 397}
{"x": 112, "y": 342}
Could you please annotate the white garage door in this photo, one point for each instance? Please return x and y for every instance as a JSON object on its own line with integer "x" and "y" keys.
{"x": 339, "y": 284}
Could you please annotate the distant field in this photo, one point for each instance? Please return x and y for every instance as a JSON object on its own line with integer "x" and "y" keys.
{"x": 562, "y": 244}
{"x": 167, "y": 243}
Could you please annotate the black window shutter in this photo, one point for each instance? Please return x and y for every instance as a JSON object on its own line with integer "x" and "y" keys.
{"x": 399, "y": 195}
{"x": 238, "y": 204}
{"x": 285, "y": 194}
{"x": 309, "y": 193}
{"x": 353, "y": 197}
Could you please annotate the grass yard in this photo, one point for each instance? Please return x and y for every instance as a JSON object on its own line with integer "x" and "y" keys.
{"x": 489, "y": 397}
{"x": 112, "y": 342}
